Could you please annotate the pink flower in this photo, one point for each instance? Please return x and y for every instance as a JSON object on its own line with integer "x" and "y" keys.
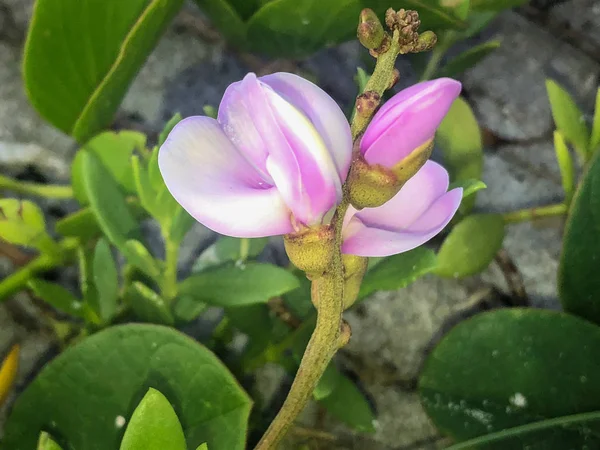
{"x": 276, "y": 156}
{"x": 408, "y": 121}
{"x": 421, "y": 209}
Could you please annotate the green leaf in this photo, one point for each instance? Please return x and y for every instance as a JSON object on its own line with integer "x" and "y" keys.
{"x": 595, "y": 137}
{"x": 88, "y": 392}
{"x": 148, "y": 305}
{"x": 398, "y": 271}
{"x": 186, "y": 308}
{"x": 137, "y": 255}
{"x": 202, "y": 447}
{"x": 46, "y": 442}
{"x": 145, "y": 190}
{"x": 226, "y": 19}
{"x": 57, "y": 296}
{"x": 471, "y": 246}
{"x": 22, "y": 223}
{"x": 154, "y": 426}
{"x": 328, "y": 382}
{"x": 106, "y": 281}
{"x": 168, "y": 128}
{"x": 346, "y": 403}
{"x": 469, "y": 187}
{"x": 182, "y": 222}
{"x": 361, "y": 78}
{"x": 568, "y": 117}
{"x": 240, "y": 284}
{"x": 459, "y": 138}
{"x": 76, "y": 72}
{"x": 107, "y": 202}
{"x": 228, "y": 249}
{"x": 578, "y": 281}
{"x": 565, "y": 165}
{"x": 468, "y": 59}
{"x": 511, "y": 367}
{"x": 114, "y": 151}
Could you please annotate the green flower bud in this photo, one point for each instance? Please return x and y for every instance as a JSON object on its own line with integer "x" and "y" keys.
{"x": 354, "y": 271}
{"x": 370, "y": 32}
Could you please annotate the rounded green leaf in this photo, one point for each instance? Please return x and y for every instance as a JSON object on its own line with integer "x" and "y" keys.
{"x": 81, "y": 56}
{"x": 154, "y": 425}
{"x": 511, "y": 367}
{"x": 57, "y": 296}
{"x": 22, "y": 223}
{"x": 471, "y": 246}
{"x": 578, "y": 281}
{"x": 88, "y": 393}
{"x": 148, "y": 305}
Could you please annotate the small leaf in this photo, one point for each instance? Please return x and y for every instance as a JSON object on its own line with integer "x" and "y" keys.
{"x": 568, "y": 117}
{"x": 469, "y": 187}
{"x": 46, "y": 442}
{"x": 398, "y": 271}
{"x": 468, "y": 59}
{"x": 578, "y": 281}
{"x": 168, "y": 128}
{"x": 145, "y": 190}
{"x": 234, "y": 285}
{"x": 361, "y": 78}
{"x": 565, "y": 164}
{"x": 154, "y": 426}
{"x": 107, "y": 202}
{"x": 148, "y": 305}
{"x": 498, "y": 370}
{"x": 8, "y": 372}
{"x": 86, "y": 392}
{"x": 57, "y": 296}
{"x": 106, "y": 281}
{"x": 137, "y": 255}
{"x": 75, "y": 72}
{"x": 203, "y": 447}
{"x": 459, "y": 138}
{"x": 471, "y": 246}
{"x": 228, "y": 249}
{"x": 595, "y": 137}
{"x": 226, "y": 19}
{"x": 328, "y": 382}
{"x": 186, "y": 308}
{"x": 22, "y": 223}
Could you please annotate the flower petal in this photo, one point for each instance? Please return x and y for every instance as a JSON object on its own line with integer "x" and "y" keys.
{"x": 362, "y": 240}
{"x": 206, "y": 174}
{"x": 415, "y": 197}
{"x": 325, "y": 114}
{"x": 408, "y": 120}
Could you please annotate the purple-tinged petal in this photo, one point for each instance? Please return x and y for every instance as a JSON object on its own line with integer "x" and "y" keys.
{"x": 415, "y": 197}
{"x": 324, "y": 113}
{"x": 207, "y": 175}
{"x": 408, "y": 120}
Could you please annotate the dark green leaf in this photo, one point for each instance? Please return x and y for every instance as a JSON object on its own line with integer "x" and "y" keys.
{"x": 107, "y": 202}
{"x": 106, "y": 281}
{"x": 57, "y": 296}
{"x": 227, "y": 249}
{"x": 568, "y": 117}
{"x": 398, "y": 271}
{"x": 595, "y": 137}
{"x": 76, "y": 71}
{"x": 148, "y": 305}
{"x": 87, "y": 393}
{"x": 186, "y": 308}
{"x": 471, "y": 246}
{"x": 22, "y": 223}
{"x": 578, "y": 281}
{"x": 154, "y": 426}
{"x": 226, "y": 19}
{"x": 168, "y": 128}
{"x": 114, "y": 151}
{"x": 47, "y": 443}
{"x": 512, "y": 367}
{"x": 459, "y": 138}
{"x": 240, "y": 284}
{"x": 137, "y": 255}
{"x": 468, "y": 59}
{"x": 469, "y": 187}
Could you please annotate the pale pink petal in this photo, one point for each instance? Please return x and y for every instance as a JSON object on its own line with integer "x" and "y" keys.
{"x": 325, "y": 114}
{"x": 415, "y": 197}
{"x": 363, "y": 240}
{"x": 207, "y": 175}
{"x": 408, "y": 120}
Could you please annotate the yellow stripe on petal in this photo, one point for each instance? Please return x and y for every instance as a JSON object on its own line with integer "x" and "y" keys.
{"x": 8, "y": 372}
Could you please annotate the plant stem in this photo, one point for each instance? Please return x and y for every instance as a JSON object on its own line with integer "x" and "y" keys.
{"x": 41, "y": 190}
{"x": 15, "y": 281}
{"x": 561, "y": 422}
{"x": 169, "y": 286}
{"x": 523, "y": 215}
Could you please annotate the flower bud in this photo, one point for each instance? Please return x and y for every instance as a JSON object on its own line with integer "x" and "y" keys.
{"x": 311, "y": 249}
{"x": 354, "y": 271}
{"x": 370, "y": 32}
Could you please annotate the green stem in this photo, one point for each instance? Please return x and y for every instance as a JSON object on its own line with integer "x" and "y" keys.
{"x": 527, "y": 214}
{"x": 17, "y": 280}
{"x": 169, "y": 287}
{"x": 528, "y": 428}
{"x": 41, "y": 190}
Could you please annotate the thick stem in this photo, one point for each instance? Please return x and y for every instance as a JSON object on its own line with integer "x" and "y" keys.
{"x": 524, "y": 215}
{"x": 15, "y": 281}
{"x": 41, "y": 190}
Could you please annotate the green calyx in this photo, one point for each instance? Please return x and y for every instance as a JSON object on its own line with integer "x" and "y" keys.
{"x": 354, "y": 271}
{"x": 311, "y": 249}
